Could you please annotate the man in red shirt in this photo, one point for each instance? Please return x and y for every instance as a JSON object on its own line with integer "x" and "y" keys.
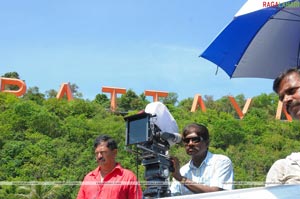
{"x": 109, "y": 180}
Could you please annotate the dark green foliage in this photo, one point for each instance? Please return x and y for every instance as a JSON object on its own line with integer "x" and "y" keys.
{"x": 50, "y": 140}
{"x": 186, "y": 104}
{"x": 171, "y": 99}
{"x": 103, "y": 100}
{"x": 131, "y": 101}
{"x": 34, "y": 95}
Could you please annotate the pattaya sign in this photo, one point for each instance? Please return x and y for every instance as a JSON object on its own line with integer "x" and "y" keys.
{"x": 65, "y": 89}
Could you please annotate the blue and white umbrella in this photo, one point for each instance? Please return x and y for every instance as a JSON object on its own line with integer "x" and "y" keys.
{"x": 261, "y": 41}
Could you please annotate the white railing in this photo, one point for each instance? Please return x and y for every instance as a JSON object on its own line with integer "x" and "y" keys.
{"x": 273, "y": 192}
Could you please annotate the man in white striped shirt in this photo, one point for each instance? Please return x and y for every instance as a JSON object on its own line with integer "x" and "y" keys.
{"x": 205, "y": 172}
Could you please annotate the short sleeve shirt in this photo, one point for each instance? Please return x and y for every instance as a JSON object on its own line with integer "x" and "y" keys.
{"x": 118, "y": 184}
{"x": 216, "y": 171}
{"x": 285, "y": 171}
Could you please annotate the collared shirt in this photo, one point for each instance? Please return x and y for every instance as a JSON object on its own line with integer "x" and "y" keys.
{"x": 215, "y": 171}
{"x": 120, "y": 183}
{"x": 285, "y": 171}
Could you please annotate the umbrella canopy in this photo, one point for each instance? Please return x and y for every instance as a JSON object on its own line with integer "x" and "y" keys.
{"x": 261, "y": 41}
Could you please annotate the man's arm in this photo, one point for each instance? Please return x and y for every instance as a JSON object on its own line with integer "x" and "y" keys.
{"x": 135, "y": 190}
{"x": 223, "y": 174}
{"x": 275, "y": 173}
{"x": 198, "y": 188}
{"x": 80, "y": 194}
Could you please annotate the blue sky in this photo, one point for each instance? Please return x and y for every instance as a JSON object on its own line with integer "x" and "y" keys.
{"x": 133, "y": 44}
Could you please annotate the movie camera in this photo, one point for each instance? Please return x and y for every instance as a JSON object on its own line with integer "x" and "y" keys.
{"x": 150, "y": 135}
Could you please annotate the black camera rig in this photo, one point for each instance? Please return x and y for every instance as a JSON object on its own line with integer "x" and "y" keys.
{"x": 152, "y": 145}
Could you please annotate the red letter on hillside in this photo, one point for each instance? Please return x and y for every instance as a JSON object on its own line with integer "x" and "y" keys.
{"x": 237, "y": 108}
{"x": 12, "y": 81}
{"x": 113, "y": 95}
{"x": 198, "y": 101}
{"x": 65, "y": 89}
{"x": 156, "y": 94}
{"x": 280, "y": 108}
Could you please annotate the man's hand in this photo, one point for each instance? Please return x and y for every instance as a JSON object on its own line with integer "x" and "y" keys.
{"x": 176, "y": 173}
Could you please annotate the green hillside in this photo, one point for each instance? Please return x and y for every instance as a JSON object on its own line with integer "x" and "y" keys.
{"x": 43, "y": 139}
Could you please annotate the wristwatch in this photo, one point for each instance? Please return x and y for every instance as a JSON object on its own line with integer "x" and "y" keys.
{"x": 183, "y": 180}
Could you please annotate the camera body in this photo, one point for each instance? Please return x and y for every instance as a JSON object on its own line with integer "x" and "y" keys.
{"x": 152, "y": 145}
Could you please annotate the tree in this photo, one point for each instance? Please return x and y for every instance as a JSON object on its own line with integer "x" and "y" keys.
{"x": 172, "y": 98}
{"x": 209, "y": 101}
{"x": 268, "y": 102}
{"x": 74, "y": 89}
{"x": 103, "y": 100}
{"x": 14, "y": 75}
{"x": 38, "y": 192}
{"x": 130, "y": 101}
{"x": 51, "y": 93}
{"x": 52, "y": 140}
{"x": 11, "y": 75}
{"x": 34, "y": 94}
{"x": 186, "y": 104}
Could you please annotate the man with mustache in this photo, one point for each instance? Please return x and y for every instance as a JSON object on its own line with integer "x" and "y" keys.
{"x": 287, "y": 86}
{"x": 109, "y": 179}
{"x": 205, "y": 172}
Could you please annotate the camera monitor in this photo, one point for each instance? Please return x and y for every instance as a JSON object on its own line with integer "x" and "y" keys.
{"x": 137, "y": 128}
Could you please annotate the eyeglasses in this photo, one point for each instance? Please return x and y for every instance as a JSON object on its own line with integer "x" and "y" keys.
{"x": 194, "y": 140}
{"x": 290, "y": 91}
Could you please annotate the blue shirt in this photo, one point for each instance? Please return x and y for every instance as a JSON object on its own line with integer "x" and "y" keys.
{"x": 215, "y": 171}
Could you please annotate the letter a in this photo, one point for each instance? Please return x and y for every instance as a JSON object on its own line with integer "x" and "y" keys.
{"x": 198, "y": 101}
{"x": 65, "y": 89}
